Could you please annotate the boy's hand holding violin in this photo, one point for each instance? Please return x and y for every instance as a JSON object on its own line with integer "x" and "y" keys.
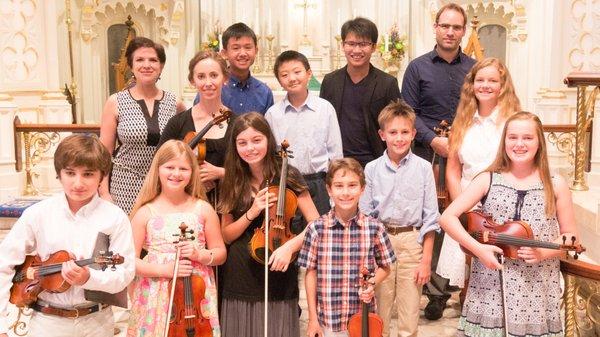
{"x": 367, "y": 294}
{"x": 74, "y": 274}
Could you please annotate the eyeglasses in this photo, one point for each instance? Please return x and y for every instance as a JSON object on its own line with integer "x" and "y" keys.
{"x": 446, "y": 27}
{"x": 352, "y": 44}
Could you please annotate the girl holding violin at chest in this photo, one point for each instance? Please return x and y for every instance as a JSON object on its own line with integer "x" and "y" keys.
{"x": 524, "y": 297}
{"x": 207, "y": 73}
{"x": 249, "y": 164}
{"x": 173, "y": 195}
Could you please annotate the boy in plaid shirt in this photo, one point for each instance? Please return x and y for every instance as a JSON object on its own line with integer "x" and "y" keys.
{"x": 336, "y": 247}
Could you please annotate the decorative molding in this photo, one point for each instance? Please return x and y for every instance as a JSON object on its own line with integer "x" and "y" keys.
{"x": 176, "y": 21}
{"x": 20, "y": 37}
{"x": 54, "y": 95}
{"x": 585, "y": 53}
{"x": 168, "y": 20}
{"x": 508, "y": 15}
{"x": 551, "y": 93}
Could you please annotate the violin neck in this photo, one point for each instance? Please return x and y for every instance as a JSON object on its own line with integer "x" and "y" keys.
{"x": 57, "y": 267}
{"x": 198, "y": 137}
{"x": 365, "y": 320}
{"x": 282, "y": 186}
{"x": 442, "y": 174}
{"x": 515, "y": 241}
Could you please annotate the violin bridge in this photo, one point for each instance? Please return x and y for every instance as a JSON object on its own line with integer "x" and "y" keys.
{"x": 189, "y": 316}
{"x": 30, "y": 274}
{"x": 486, "y": 236}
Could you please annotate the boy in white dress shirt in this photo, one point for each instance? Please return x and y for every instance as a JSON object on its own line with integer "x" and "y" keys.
{"x": 309, "y": 123}
{"x": 71, "y": 221}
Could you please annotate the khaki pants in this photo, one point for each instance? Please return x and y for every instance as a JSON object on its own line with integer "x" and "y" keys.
{"x": 400, "y": 287}
{"x": 98, "y": 324}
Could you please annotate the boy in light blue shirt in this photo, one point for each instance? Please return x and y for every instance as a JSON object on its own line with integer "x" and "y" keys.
{"x": 308, "y": 122}
{"x": 400, "y": 192}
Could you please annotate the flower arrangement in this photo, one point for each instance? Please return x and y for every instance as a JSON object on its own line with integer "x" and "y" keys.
{"x": 214, "y": 39}
{"x": 394, "y": 44}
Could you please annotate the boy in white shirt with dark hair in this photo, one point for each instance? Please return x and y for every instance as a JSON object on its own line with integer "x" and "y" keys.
{"x": 71, "y": 221}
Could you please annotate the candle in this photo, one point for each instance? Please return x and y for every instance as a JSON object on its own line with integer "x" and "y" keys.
{"x": 385, "y": 42}
{"x": 220, "y": 37}
{"x": 256, "y": 22}
{"x": 269, "y": 27}
{"x": 339, "y": 19}
{"x": 354, "y": 13}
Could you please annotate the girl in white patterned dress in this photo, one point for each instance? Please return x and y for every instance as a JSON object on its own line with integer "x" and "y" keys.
{"x": 173, "y": 193}
{"x": 487, "y": 99}
{"x": 517, "y": 186}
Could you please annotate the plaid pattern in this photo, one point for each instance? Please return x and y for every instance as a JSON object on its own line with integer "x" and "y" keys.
{"x": 338, "y": 253}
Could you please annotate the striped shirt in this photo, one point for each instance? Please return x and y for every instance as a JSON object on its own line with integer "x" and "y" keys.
{"x": 338, "y": 252}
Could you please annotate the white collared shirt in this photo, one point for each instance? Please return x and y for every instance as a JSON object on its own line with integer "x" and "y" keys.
{"x": 312, "y": 131}
{"x": 479, "y": 146}
{"x": 50, "y": 226}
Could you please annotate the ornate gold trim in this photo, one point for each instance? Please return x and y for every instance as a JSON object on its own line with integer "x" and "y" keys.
{"x": 19, "y": 327}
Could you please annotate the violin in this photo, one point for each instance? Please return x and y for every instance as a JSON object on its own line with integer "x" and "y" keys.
{"x": 511, "y": 235}
{"x": 187, "y": 294}
{"x": 282, "y": 214}
{"x": 34, "y": 275}
{"x": 365, "y": 323}
{"x": 194, "y": 139}
{"x": 442, "y": 130}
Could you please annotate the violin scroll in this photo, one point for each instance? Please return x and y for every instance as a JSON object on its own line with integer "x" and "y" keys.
{"x": 576, "y": 248}
{"x": 104, "y": 259}
{"x": 184, "y": 234}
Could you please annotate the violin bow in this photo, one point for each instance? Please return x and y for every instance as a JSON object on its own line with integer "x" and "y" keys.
{"x": 266, "y": 315}
{"x": 173, "y": 281}
{"x": 503, "y": 282}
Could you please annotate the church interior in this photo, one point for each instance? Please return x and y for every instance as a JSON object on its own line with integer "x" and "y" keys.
{"x": 61, "y": 59}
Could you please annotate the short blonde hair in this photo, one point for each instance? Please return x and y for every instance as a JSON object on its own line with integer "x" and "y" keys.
{"x": 397, "y": 108}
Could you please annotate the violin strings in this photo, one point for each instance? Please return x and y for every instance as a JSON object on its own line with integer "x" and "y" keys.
{"x": 56, "y": 267}
{"x": 511, "y": 240}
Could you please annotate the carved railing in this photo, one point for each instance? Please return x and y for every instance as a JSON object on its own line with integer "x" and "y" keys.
{"x": 37, "y": 140}
{"x": 563, "y": 137}
{"x": 585, "y": 114}
{"x": 581, "y": 298}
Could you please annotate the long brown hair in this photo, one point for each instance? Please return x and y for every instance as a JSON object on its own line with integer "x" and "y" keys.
{"x": 171, "y": 149}
{"x": 502, "y": 163}
{"x": 508, "y": 102}
{"x": 236, "y": 190}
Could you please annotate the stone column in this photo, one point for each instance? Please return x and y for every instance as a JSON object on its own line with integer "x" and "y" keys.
{"x": 11, "y": 182}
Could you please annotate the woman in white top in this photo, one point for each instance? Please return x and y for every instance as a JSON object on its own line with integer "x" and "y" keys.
{"x": 487, "y": 99}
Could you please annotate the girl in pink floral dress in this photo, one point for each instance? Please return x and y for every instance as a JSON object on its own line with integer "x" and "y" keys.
{"x": 172, "y": 194}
